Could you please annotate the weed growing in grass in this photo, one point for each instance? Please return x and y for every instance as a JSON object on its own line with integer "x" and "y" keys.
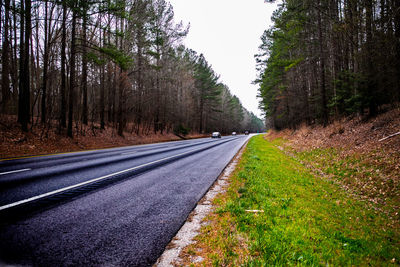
{"x": 305, "y": 220}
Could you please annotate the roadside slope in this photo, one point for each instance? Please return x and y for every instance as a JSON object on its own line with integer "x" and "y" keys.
{"x": 279, "y": 212}
{"x": 355, "y": 154}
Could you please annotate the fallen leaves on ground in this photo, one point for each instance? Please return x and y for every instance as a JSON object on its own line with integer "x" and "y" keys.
{"x": 42, "y": 139}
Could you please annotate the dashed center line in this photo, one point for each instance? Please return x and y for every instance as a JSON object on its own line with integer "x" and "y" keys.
{"x": 128, "y": 153}
{"x": 22, "y": 170}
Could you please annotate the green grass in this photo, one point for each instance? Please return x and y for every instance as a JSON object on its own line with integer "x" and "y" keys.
{"x": 367, "y": 175}
{"x": 307, "y": 220}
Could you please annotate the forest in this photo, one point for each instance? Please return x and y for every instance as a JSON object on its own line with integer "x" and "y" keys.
{"x": 69, "y": 64}
{"x": 323, "y": 60}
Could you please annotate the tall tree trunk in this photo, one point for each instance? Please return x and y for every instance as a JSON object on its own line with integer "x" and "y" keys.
{"x": 139, "y": 82}
{"x": 335, "y": 50}
{"x": 14, "y": 58}
{"x": 114, "y": 93}
{"x": 120, "y": 104}
{"x": 396, "y": 19}
{"x": 28, "y": 30}
{"x": 121, "y": 101}
{"x": 354, "y": 35}
{"x": 21, "y": 65}
{"x": 372, "y": 102}
{"x": 322, "y": 68}
{"x": 157, "y": 105}
{"x": 5, "y": 58}
{"x": 72, "y": 75}
{"x": 84, "y": 66}
{"x": 45, "y": 65}
{"x": 24, "y": 100}
{"x": 102, "y": 89}
{"x": 63, "y": 109}
{"x": 111, "y": 94}
{"x": 156, "y": 118}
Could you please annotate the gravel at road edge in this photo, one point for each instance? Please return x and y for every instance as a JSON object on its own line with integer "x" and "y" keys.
{"x": 185, "y": 236}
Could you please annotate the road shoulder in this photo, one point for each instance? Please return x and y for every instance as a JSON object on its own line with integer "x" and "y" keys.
{"x": 172, "y": 255}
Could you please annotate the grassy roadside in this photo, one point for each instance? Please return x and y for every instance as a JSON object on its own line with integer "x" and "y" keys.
{"x": 367, "y": 176}
{"x": 301, "y": 219}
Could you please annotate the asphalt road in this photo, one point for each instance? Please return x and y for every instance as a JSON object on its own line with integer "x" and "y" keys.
{"x": 112, "y": 207}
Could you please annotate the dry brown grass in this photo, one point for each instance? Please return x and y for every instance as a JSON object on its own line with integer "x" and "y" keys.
{"x": 353, "y": 134}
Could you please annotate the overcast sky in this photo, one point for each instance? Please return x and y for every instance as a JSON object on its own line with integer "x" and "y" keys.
{"x": 228, "y": 33}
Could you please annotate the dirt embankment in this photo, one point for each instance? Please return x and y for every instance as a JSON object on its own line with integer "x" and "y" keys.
{"x": 44, "y": 140}
{"x": 352, "y": 134}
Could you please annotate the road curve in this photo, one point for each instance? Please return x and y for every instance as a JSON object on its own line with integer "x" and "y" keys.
{"x": 126, "y": 218}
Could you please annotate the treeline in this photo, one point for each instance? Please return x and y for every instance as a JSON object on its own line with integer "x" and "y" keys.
{"x": 326, "y": 59}
{"x": 109, "y": 63}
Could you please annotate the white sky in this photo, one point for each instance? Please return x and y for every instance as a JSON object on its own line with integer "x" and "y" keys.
{"x": 228, "y": 33}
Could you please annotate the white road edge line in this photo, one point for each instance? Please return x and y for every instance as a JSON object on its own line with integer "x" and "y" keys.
{"x": 85, "y": 183}
{"x": 22, "y": 170}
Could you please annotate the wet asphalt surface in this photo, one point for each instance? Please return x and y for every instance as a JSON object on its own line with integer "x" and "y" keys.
{"x": 125, "y": 222}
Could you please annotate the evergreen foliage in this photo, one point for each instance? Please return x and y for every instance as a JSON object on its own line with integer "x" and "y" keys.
{"x": 325, "y": 59}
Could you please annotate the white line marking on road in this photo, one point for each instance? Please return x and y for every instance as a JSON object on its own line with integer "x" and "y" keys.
{"x": 87, "y": 182}
{"x": 22, "y": 170}
{"x": 128, "y": 153}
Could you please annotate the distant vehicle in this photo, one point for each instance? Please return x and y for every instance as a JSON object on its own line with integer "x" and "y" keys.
{"x": 216, "y": 135}
{"x": 233, "y": 133}
{"x": 246, "y": 132}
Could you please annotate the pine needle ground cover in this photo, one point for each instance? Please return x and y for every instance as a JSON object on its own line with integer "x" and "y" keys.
{"x": 276, "y": 212}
